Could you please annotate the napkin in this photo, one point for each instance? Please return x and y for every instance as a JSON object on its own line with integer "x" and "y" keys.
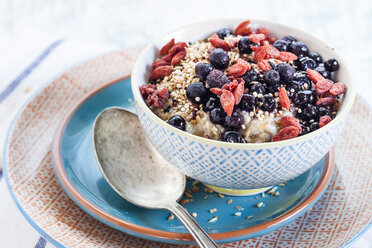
{"x": 27, "y": 62}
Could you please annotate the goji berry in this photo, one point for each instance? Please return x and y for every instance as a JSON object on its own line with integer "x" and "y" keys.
{"x": 237, "y": 70}
{"x": 164, "y": 50}
{"x": 226, "y": 86}
{"x": 243, "y": 62}
{"x": 238, "y": 92}
{"x": 243, "y": 28}
{"x": 263, "y": 31}
{"x": 219, "y": 43}
{"x": 264, "y": 65}
{"x": 227, "y": 101}
{"x": 233, "y": 43}
{"x": 286, "y": 133}
{"x": 338, "y": 89}
{"x": 147, "y": 89}
{"x": 270, "y": 39}
{"x": 287, "y": 56}
{"x": 287, "y": 121}
{"x": 271, "y": 52}
{"x": 259, "y": 53}
{"x": 167, "y": 58}
{"x": 163, "y": 93}
{"x": 324, "y": 120}
{"x": 161, "y": 72}
{"x": 178, "y": 57}
{"x": 326, "y": 101}
{"x": 284, "y": 99}
{"x": 159, "y": 62}
{"x": 255, "y": 38}
{"x": 178, "y": 47}
{"x": 233, "y": 85}
{"x": 323, "y": 86}
{"x": 215, "y": 35}
{"x": 314, "y": 75}
{"x": 217, "y": 91}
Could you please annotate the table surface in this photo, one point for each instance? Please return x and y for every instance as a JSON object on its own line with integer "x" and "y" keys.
{"x": 344, "y": 24}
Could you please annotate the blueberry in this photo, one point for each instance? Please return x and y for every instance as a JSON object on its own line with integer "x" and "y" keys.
{"x": 250, "y": 76}
{"x": 281, "y": 45}
{"x": 212, "y": 103}
{"x": 178, "y": 122}
{"x": 232, "y": 137}
{"x": 324, "y": 111}
{"x": 247, "y": 103}
{"x": 332, "y": 65}
{"x": 202, "y": 70}
{"x": 323, "y": 71}
{"x": 271, "y": 77}
{"x": 314, "y": 126}
{"x": 272, "y": 88}
{"x": 286, "y": 72}
{"x": 245, "y": 44}
{"x": 235, "y": 120}
{"x": 288, "y": 39}
{"x": 217, "y": 79}
{"x": 268, "y": 103}
{"x": 304, "y": 129}
{"x": 307, "y": 63}
{"x": 196, "y": 93}
{"x": 309, "y": 112}
{"x": 219, "y": 58}
{"x": 299, "y": 48}
{"x": 222, "y": 33}
{"x": 258, "y": 88}
{"x": 303, "y": 97}
{"x": 301, "y": 79}
{"x": 316, "y": 57}
{"x": 272, "y": 65}
{"x": 293, "y": 88}
{"x": 217, "y": 115}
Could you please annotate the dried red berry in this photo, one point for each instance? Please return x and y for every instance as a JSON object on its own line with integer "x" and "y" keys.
{"x": 178, "y": 57}
{"x": 164, "y": 50}
{"x": 167, "y": 58}
{"x": 255, "y": 38}
{"x": 286, "y": 133}
{"x": 264, "y": 65}
{"x": 324, "y": 120}
{"x": 163, "y": 93}
{"x": 157, "y": 102}
{"x": 233, "y": 43}
{"x": 238, "y": 92}
{"x": 270, "y": 39}
{"x": 264, "y": 31}
{"x": 259, "y": 53}
{"x": 338, "y": 89}
{"x": 287, "y": 56}
{"x": 284, "y": 99}
{"x": 214, "y": 35}
{"x": 147, "y": 89}
{"x": 227, "y": 102}
{"x": 243, "y": 62}
{"x": 271, "y": 52}
{"x": 178, "y": 47}
{"x": 161, "y": 72}
{"x": 219, "y": 43}
{"x": 314, "y": 75}
{"x": 237, "y": 70}
{"x": 323, "y": 86}
{"x": 226, "y": 86}
{"x": 243, "y": 28}
{"x": 287, "y": 121}
{"x": 159, "y": 62}
{"x": 326, "y": 101}
{"x": 216, "y": 91}
{"x": 233, "y": 85}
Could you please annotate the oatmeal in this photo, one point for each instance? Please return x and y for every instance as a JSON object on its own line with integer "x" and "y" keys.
{"x": 243, "y": 87}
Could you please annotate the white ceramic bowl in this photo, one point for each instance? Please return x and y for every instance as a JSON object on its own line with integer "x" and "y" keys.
{"x": 239, "y": 166}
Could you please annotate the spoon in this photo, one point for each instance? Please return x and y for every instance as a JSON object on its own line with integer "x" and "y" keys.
{"x": 137, "y": 172}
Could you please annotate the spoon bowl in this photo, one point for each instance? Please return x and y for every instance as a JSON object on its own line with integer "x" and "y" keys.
{"x": 135, "y": 170}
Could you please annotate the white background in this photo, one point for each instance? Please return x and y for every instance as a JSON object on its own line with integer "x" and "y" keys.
{"x": 347, "y": 25}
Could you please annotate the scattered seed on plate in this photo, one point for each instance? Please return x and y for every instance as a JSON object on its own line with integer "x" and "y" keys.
{"x": 212, "y": 210}
{"x": 183, "y": 202}
{"x": 208, "y": 190}
{"x": 263, "y": 194}
{"x": 249, "y": 217}
{"x": 195, "y": 183}
{"x": 256, "y": 197}
{"x": 171, "y": 217}
{"x": 260, "y": 204}
{"x": 221, "y": 195}
{"x": 214, "y": 219}
{"x": 276, "y": 193}
{"x": 194, "y": 215}
{"x": 239, "y": 208}
{"x": 187, "y": 194}
{"x": 282, "y": 184}
{"x": 205, "y": 197}
{"x": 195, "y": 188}
{"x": 238, "y": 213}
{"x": 229, "y": 201}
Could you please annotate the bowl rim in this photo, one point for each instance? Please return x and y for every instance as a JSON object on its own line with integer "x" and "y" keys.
{"x": 91, "y": 208}
{"x": 347, "y": 101}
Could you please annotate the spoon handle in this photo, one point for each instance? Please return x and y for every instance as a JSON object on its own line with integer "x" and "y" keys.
{"x": 200, "y": 236}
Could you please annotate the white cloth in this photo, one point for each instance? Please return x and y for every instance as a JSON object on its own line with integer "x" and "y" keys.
{"x": 29, "y": 64}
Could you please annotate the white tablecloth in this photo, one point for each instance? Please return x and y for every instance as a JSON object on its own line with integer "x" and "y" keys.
{"x": 27, "y": 64}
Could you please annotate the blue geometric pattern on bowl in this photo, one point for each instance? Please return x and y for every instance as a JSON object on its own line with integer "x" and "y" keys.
{"x": 237, "y": 168}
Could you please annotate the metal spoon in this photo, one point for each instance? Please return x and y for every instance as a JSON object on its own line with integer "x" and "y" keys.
{"x": 137, "y": 172}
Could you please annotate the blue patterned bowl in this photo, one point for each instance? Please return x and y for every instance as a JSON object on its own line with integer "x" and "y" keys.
{"x": 238, "y": 166}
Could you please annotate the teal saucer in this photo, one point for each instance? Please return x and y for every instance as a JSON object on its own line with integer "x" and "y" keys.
{"x": 237, "y": 217}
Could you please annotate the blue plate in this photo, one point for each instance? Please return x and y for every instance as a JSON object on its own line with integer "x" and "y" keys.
{"x": 82, "y": 180}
